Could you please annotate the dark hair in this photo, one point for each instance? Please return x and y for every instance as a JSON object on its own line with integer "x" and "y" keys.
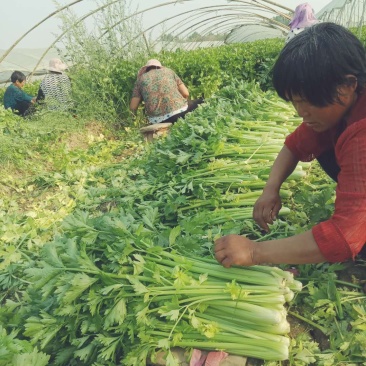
{"x": 17, "y": 76}
{"x": 317, "y": 61}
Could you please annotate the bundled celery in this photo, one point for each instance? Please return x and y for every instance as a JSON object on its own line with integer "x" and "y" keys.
{"x": 106, "y": 293}
{"x": 143, "y": 298}
{"x": 212, "y": 167}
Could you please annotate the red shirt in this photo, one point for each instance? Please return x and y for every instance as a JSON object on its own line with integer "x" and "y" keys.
{"x": 344, "y": 234}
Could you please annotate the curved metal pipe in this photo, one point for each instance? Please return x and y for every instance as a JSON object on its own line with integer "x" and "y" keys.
{"x": 151, "y": 27}
{"x": 247, "y": 13}
{"x": 90, "y": 14}
{"x": 246, "y": 2}
{"x": 259, "y": 4}
{"x": 34, "y": 27}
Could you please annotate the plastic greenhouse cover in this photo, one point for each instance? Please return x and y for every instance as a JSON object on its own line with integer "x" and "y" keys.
{"x": 253, "y": 32}
{"x": 332, "y": 5}
{"x": 24, "y": 59}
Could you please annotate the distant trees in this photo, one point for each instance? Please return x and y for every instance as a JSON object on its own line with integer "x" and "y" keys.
{"x": 170, "y": 38}
{"x": 194, "y": 37}
{"x": 282, "y": 19}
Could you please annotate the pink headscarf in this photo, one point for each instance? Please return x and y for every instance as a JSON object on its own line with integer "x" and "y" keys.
{"x": 304, "y": 17}
{"x": 152, "y": 62}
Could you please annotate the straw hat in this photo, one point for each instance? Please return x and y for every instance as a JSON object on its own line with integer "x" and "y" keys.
{"x": 152, "y": 62}
{"x": 57, "y": 65}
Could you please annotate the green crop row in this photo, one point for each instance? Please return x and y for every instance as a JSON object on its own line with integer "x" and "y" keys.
{"x": 104, "y": 89}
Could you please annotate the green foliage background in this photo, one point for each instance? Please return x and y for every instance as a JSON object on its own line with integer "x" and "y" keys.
{"x": 105, "y": 88}
{"x": 102, "y": 88}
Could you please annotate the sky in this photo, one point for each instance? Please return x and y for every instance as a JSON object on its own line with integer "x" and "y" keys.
{"x": 18, "y": 16}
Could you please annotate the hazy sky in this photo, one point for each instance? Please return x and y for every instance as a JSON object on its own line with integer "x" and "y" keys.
{"x": 18, "y": 16}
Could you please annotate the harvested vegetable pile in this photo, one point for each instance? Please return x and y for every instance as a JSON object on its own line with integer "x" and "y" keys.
{"x": 211, "y": 168}
{"x": 130, "y": 272}
{"x": 140, "y": 298}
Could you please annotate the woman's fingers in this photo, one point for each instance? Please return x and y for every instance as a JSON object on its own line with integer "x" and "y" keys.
{"x": 265, "y": 211}
{"x": 234, "y": 250}
{"x": 262, "y": 216}
{"x": 221, "y": 252}
{"x": 267, "y": 215}
{"x": 226, "y": 262}
{"x": 276, "y": 210}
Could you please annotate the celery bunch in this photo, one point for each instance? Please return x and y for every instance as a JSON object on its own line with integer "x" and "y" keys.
{"x": 111, "y": 294}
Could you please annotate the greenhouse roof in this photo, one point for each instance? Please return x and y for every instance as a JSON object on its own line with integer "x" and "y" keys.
{"x": 332, "y": 5}
{"x": 253, "y": 32}
{"x": 229, "y": 20}
{"x": 25, "y": 60}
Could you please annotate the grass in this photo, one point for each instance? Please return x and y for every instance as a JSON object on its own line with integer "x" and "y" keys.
{"x": 21, "y": 139}
{"x": 38, "y": 156}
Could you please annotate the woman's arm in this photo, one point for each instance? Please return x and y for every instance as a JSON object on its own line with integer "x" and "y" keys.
{"x": 283, "y": 166}
{"x": 183, "y": 90}
{"x": 269, "y": 203}
{"x": 134, "y": 104}
{"x": 240, "y": 251}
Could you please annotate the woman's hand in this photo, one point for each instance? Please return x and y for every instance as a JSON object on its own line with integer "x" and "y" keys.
{"x": 266, "y": 208}
{"x": 234, "y": 250}
{"x": 269, "y": 203}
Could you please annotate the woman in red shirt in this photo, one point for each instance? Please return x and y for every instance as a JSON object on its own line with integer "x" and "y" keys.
{"x": 322, "y": 71}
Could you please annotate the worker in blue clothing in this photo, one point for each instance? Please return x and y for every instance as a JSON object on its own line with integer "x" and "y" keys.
{"x": 16, "y": 98}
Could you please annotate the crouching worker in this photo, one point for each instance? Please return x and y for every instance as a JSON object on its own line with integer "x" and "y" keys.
{"x": 322, "y": 72}
{"x": 55, "y": 88}
{"x": 163, "y": 92}
{"x": 16, "y": 98}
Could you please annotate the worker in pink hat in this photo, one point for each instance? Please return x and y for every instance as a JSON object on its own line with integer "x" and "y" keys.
{"x": 164, "y": 94}
{"x": 304, "y": 17}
